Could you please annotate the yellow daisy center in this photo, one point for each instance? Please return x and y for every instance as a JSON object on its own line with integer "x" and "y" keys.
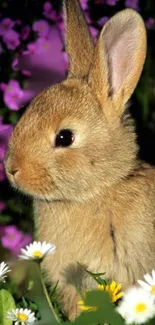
{"x": 153, "y": 289}
{"x": 22, "y": 317}
{"x": 140, "y": 308}
{"x": 37, "y": 254}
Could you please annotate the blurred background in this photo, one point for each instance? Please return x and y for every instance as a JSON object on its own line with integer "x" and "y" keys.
{"x": 32, "y": 57}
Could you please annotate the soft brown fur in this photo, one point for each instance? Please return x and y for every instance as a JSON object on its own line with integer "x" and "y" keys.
{"x": 94, "y": 199}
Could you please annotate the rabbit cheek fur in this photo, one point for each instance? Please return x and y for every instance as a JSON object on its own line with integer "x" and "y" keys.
{"x": 93, "y": 199}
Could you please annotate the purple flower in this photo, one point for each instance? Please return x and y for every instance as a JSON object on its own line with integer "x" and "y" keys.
{"x": 65, "y": 56}
{"x": 87, "y": 18}
{"x": 15, "y": 63}
{"x": 40, "y": 46}
{"x": 2, "y": 170}
{"x": 2, "y": 228}
{"x": 2, "y": 206}
{"x": 25, "y": 32}
{"x": 150, "y": 23}
{"x": 43, "y": 55}
{"x": 84, "y": 4}
{"x": 11, "y": 237}
{"x": 134, "y": 4}
{"x": 49, "y": 12}
{"x": 41, "y": 27}
{"x": 11, "y": 39}
{"x": 31, "y": 49}
{"x": 26, "y": 72}
{"x": 12, "y": 95}
{"x": 102, "y": 21}
{"x": 5, "y": 132}
{"x": 5, "y": 25}
{"x": 47, "y": 7}
{"x": 25, "y": 240}
{"x": 18, "y": 22}
{"x": 111, "y": 2}
{"x": 108, "y": 2}
{"x": 1, "y": 49}
{"x": 61, "y": 27}
{"x": 14, "y": 239}
{"x": 93, "y": 31}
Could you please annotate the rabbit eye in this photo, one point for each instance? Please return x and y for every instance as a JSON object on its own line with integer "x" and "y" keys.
{"x": 64, "y": 138}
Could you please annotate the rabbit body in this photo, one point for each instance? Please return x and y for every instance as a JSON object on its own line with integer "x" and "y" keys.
{"x": 92, "y": 197}
{"x": 114, "y": 235}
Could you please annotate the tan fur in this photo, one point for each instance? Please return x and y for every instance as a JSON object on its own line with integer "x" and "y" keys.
{"x": 94, "y": 199}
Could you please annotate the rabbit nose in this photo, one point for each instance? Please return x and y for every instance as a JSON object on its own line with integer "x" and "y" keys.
{"x": 13, "y": 172}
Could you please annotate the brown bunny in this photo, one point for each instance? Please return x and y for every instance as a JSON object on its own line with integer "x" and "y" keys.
{"x": 74, "y": 151}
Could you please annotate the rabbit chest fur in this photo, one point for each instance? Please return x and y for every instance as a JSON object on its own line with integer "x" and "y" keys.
{"x": 115, "y": 235}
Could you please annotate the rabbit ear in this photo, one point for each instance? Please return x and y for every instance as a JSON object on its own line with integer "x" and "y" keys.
{"x": 79, "y": 42}
{"x": 119, "y": 57}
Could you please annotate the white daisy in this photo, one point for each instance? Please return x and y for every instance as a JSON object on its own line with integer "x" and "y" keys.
{"x": 37, "y": 250}
{"x": 21, "y": 316}
{"x": 149, "y": 285}
{"x": 3, "y": 270}
{"x": 137, "y": 306}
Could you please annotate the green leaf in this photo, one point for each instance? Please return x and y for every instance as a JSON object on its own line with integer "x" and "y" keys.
{"x": 7, "y": 303}
{"x": 96, "y": 276}
{"x": 151, "y": 322}
{"x": 105, "y": 312}
{"x": 38, "y": 294}
{"x": 5, "y": 219}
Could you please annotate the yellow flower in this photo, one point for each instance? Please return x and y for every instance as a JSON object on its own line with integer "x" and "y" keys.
{"x": 113, "y": 289}
{"x": 83, "y": 307}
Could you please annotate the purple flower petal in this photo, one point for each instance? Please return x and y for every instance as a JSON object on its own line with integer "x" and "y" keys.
{"x": 11, "y": 39}
{"x": 1, "y": 49}
{"x": 5, "y": 132}
{"x": 15, "y": 63}
{"x": 94, "y": 31}
{"x": 2, "y": 206}
{"x": 102, "y": 21}
{"x": 25, "y": 32}
{"x": 47, "y": 7}
{"x": 134, "y": 4}
{"x": 14, "y": 239}
{"x": 150, "y": 23}
{"x": 41, "y": 27}
{"x": 84, "y": 4}
{"x": 5, "y": 25}
{"x": 12, "y": 95}
{"x": 45, "y": 60}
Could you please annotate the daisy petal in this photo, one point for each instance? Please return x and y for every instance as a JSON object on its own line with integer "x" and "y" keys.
{"x": 153, "y": 275}
{"x": 144, "y": 285}
{"x": 148, "y": 279}
{"x": 37, "y": 251}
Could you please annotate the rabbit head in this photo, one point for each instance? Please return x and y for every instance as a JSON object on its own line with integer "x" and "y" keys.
{"x": 74, "y": 141}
